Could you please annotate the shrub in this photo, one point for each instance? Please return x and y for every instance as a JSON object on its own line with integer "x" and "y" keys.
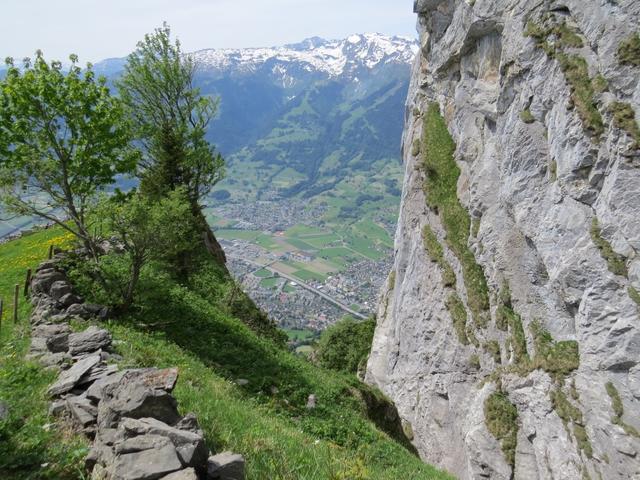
{"x": 559, "y": 358}
{"x": 146, "y": 230}
{"x": 459, "y": 317}
{"x": 629, "y": 50}
{"x": 624, "y": 118}
{"x": 344, "y": 345}
{"x": 615, "y": 262}
{"x": 501, "y": 418}
{"x": 600, "y": 83}
{"x": 440, "y": 187}
{"x": 576, "y": 71}
{"x": 436, "y": 253}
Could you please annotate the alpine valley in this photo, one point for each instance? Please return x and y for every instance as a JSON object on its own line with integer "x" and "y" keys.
{"x": 311, "y": 137}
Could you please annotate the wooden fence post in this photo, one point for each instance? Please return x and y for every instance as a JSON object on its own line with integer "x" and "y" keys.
{"x": 16, "y": 296}
{"x": 27, "y": 282}
{"x": 50, "y": 251}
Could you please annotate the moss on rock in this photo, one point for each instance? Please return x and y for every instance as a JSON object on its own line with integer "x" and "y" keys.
{"x": 615, "y": 262}
{"x": 436, "y": 253}
{"x": 440, "y": 188}
{"x": 501, "y": 419}
{"x": 629, "y": 50}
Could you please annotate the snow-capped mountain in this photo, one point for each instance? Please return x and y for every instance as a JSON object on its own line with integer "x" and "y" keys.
{"x": 319, "y": 110}
{"x": 333, "y": 58}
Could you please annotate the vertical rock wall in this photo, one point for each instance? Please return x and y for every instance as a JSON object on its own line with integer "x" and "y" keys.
{"x": 539, "y": 97}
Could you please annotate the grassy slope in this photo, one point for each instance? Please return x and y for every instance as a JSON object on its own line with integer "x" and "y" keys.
{"x": 280, "y": 438}
{"x": 29, "y": 448}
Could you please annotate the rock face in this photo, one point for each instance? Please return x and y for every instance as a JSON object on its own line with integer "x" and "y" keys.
{"x": 538, "y": 375}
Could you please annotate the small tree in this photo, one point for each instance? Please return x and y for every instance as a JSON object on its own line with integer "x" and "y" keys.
{"x": 145, "y": 230}
{"x": 63, "y": 138}
{"x": 171, "y": 119}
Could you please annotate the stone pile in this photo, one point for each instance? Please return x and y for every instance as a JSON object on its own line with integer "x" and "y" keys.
{"x": 130, "y": 415}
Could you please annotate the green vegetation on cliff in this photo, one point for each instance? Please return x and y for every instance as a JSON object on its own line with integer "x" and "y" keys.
{"x": 555, "y": 38}
{"x": 616, "y": 263}
{"x": 624, "y": 117}
{"x": 618, "y": 410}
{"x": 441, "y": 186}
{"x": 629, "y": 50}
{"x": 436, "y": 253}
{"x": 501, "y": 418}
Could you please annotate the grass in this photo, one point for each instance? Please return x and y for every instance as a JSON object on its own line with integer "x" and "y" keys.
{"x": 30, "y": 447}
{"x": 269, "y": 282}
{"x": 508, "y": 319}
{"x": 436, "y": 253}
{"x": 571, "y": 415}
{"x": 299, "y": 244}
{"x": 263, "y": 273}
{"x": 634, "y": 295}
{"x": 624, "y": 117}
{"x": 364, "y": 247}
{"x": 335, "y": 252}
{"x": 459, "y": 317}
{"x": 230, "y": 234}
{"x": 501, "y": 418}
{"x": 440, "y": 188}
{"x": 322, "y": 241}
{"x": 192, "y": 327}
{"x": 575, "y": 69}
{"x": 492, "y": 347}
{"x": 526, "y": 116}
{"x": 297, "y": 334}
{"x": 615, "y": 262}
{"x": 306, "y": 275}
{"x": 618, "y": 410}
{"x": 558, "y": 358}
{"x": 629, "y": 50}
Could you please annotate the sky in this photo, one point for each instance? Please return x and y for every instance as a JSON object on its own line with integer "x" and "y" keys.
{"x": 100, "y": 29}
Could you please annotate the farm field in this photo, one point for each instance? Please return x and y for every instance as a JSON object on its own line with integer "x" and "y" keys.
{"x": 316, "y": 252}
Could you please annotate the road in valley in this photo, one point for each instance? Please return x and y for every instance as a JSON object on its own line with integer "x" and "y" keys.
{"x": 306, "y": 286}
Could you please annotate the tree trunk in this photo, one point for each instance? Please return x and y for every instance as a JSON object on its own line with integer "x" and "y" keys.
{"x": 136, "y": 266}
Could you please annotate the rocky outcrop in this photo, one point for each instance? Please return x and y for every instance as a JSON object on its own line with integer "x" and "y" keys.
{"x": 131, "y": 415}
{"x": 508, "y": 332}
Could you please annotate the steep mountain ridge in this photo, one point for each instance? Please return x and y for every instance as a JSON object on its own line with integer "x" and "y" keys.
{"x": 332, "y": 58}
{"x": 508, "y": 332}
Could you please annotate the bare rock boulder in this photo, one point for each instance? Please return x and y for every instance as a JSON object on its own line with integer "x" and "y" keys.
{"x": 226, "y": 466}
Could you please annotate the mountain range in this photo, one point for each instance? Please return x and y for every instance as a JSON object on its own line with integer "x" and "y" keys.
{"x": 298, "y": 119}
{"x": 304, "y": 120}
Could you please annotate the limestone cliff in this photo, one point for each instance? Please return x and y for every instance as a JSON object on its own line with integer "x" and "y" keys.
{"x": 509, "y": 332}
